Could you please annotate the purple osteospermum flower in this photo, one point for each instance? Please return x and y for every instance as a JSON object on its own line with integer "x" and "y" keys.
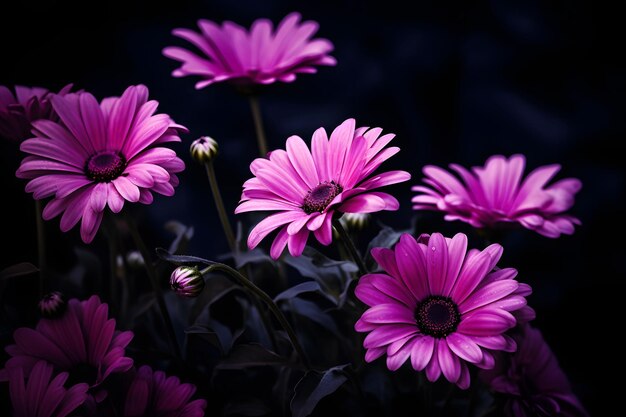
{"x": 258, "y": 56}
{"x": 496, "y": 193}
{"x": 187, "y": 281}
{"x": 440, "y": 305}
{"x": 83, "y": 342}
{"x": 28, "y": 104}
{"x": 42, "y": 397}
{"x": 532, "y": 381}
{"x": 100, "y": 154}
{"x": 153, "y": 394}
{"x": 308, "y": 187}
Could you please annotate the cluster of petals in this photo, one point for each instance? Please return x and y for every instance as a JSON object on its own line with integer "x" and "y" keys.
{"x": 498, "y": 193}
{"x": 440, "y": 305}
{"x": 261, "y": 55}
{"x": 307, "y": 187}
{"x": 98, "y": 155}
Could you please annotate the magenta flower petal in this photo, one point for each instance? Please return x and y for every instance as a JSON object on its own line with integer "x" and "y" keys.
{"x": 82, "y": 340}
{"x": 307, "y": 187}
{"x": 152, "y": 393}
{"x": 41, "y": 394}
{"x": 20, "y": 111}
{"x": 99, "y": 155}
{"x": 261, "y": 55}
{"x": 496, "y": 194}
{"x": 531, "y": 380}
{"x": 441, "y": 305}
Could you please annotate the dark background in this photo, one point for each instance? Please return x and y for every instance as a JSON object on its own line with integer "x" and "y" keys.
{"x": 456, "y": 84}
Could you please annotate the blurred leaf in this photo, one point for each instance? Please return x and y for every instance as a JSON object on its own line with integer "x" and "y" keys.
{"x": 250, "y": 355}
{"x": 313, "y": 312}
{"x": 246, "y": 407}
{"x": 183, "y": 235}
{"x": 315, "y": 265}
{"x": 18, "y": 270}
{"x": 255, "y": 256}
{"x": 313, "y": 387}
{"x": 181, "y": 259}
{"x": 309, "y": 286}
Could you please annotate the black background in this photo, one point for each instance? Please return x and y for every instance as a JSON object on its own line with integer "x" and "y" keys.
{"x": 456, "y": 84}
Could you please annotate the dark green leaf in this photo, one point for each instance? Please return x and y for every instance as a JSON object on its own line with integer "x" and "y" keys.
{"x": 313, "y": 312}
{"x": 313, "y": 387}
{"x": 289, "y": 293}
{"x": 250, "y": 355}
{"x": 183, "y": 235}
{"x": 18, "y": 270}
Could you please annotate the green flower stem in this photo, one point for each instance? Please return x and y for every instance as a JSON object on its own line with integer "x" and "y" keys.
{"x": 147, "y": 259}
{"x": 354, "y": 253}
{"x": 41, "y": 247}
{"x": 221, "y": 210}
{"x": 256, "y": 291}
{"x": 258, "y": 124}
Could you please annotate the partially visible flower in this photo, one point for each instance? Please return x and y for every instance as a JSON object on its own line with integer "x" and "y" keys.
{"x": 134, "y": 259}
{"x": 82, "y": 342}
{"x": 531, "y": 380}
{"x": 19, "y": 110}
{"x": 39, "y": 396}
{"x": 204, "y": 149}
{"x": 52, "y": 305}
{"x": 441, "y": 305}
{"x": 100, "y": 154}
{"x": 153, "y": 394}
{"x": 307, "y": 187}
{"x": 258, "y": 56}
{"x": 496, "y": 194}
{"x": 356, "y": 221}
{"x": 187, "y": 281}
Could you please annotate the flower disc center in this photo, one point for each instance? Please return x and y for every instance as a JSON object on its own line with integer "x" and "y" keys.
{"x": 105, "y": 166}
{"x": 320, "y": 197}
{"x": 437, "y": 316}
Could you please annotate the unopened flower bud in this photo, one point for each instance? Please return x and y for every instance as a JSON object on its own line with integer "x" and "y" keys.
{"x": 187, "y": 281}
{"x": 204, "y": 149}
{"x": 355, "y": 221}
{"x": 134, "y": 259}
{"x": 52, "y": 305}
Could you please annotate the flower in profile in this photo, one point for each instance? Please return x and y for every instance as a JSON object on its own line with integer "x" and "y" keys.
{"x": 39, "y": 396}
{"x": 28, "y": 104}
{"x": 258, "y": 56}
{"x": 187, "y": 281}
{"x": 99, "y": 155}
{"x": 307, "y": 187}
{"x": 82, "y": 342}
{"x": 52, "y": 305}
{"x": 531, "y": 380}
{"x": 496, "y": 194}
{"x": 204, "y": 149}
{"x": 153, "y": 394}
{"x": 441, "y": 305}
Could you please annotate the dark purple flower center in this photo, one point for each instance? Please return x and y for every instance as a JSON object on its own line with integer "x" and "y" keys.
{"x": 437, "y": 316}
{"x": 105, "y": 166}
{"x": 320, "y": 197}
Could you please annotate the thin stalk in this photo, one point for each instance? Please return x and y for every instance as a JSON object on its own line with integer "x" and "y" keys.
{"x": 155, "y": 286}
{"x": 113, "y": 252}
{"x": 41, "y": 247}
{"x": 349, "y": 244}
{"x": 219, "y": 204}
{"x": 258, "y": 124}
{"x": 246, "y": 283}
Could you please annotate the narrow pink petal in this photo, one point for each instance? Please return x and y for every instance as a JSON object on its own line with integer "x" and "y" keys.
{"x": 385, "y": 335}
{"x": 464, "y": 347}
{"x": 422, "y": 352}
{"x": 270, "y": 223}
{"x": 319, "y": 150}
{"x": 449, "y": 363}
{"x": 389, "y": 313}
{"x": 302, "y": 161}
{"x": 386, "y": 258}
{"x": 279, "y": 243}
{"x": 411, "y": 264}
{"x": 437, "y": 263}
{"x": 457, "y": 248}
{"x": 339, "y": 144}
{"x": 394, "y": 362}
{"x": 363, "y": 203}
{"x": 488, "y": 294}
{"x": 324, "y": 233}
{"x": 127, "y": 189}
{"x": 297, "y": 242}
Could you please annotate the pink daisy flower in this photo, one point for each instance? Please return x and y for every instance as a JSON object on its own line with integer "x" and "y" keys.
{"x": 82, "y": 342}
{"x": 41, "y": 397}
{"x": 258, "y": 56}
{"x": 307, "y": 187}
{"x": 153, "y": 394}
{"x": 99, "y": 155}
{"x": 532, "y": 381}
{"x": 496, "y": 194}
{"x": 441, "y": 305}
{"x": 28, "y": 104}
